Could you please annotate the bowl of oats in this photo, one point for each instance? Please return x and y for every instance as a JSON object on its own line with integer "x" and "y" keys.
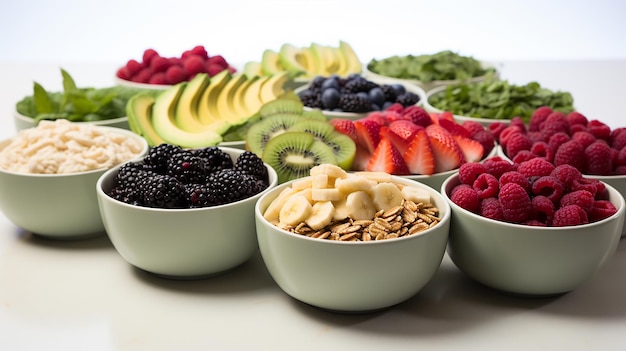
{"x": 185, "y": 213}
{"x": 48, "y": 175}
{"x": 352, "y": 242}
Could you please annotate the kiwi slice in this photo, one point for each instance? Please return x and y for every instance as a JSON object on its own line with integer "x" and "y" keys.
{"x": 343, "y": 147}
{"x": 314, "y": 114}
{"x": 293, "y": 154}
{"x": 265, "y": 129}
{"x": 281, "y": 106}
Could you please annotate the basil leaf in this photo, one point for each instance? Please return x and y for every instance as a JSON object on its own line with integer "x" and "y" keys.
{"x": 43, "y": 103}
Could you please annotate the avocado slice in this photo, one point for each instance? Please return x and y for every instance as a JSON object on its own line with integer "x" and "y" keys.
{"x": 139, "y": 112}
{"x": 207, "y": 106}
{"x": 352, "y": 60}
{"x": 186, "y": 116}
{"x": 291, "y": 58}
{"x": 274, "y": 86}
{"x": 270, "y": 62}
{"x": 163, "y": 117}
{"x": 325, "y": 58}
{"x": 225, "y": 109}
{"x": 252, "y": 69}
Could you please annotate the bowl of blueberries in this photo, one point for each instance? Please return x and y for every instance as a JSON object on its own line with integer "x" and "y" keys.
{"x": 355, "y": 96}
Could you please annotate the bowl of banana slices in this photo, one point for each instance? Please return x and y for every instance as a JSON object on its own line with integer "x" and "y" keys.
{"x": 330, "y": 239}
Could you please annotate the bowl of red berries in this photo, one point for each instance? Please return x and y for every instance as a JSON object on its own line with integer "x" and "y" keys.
{"x": 355, "y": 96}
{"x": 531, "y": 228}
{"x": 184, "y": 213}
{"x": 156, "y": 71}
{"x": 590, "y": 145}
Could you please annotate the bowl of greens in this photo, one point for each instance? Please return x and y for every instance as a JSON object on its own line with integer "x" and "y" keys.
{"x": 430, "y": 71}
{"x": 495, "y": 101}
{"x": 98, "y": 106}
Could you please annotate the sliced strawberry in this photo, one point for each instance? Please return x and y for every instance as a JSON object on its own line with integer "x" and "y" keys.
{"x": 447, "y": 152}
{"x": 472, "y": 150}
{"x": 405, "y": 129}
{"x": 398, "y": 141}
{"x": 419, "y": 157}
{"x": 386, "y": 158}
{"x": 454, "y": 128}
{"x": 417, "y": 115}
{"x": 361, "y": 158}
{"x": 368, "y": 133}
{"x": 446, "y": 115}
{"x": 392, "y": 116}
{"x": 376, "y": 116}
{"x": 434, "y": 118}
{"x": 397, "y": 107}
{"x": 345, "y": 126}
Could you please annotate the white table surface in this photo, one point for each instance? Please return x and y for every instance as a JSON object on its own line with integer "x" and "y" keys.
{"x": 83, "y": 296}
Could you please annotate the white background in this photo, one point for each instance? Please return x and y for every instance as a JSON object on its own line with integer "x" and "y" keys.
{"x": 116, "y": 30}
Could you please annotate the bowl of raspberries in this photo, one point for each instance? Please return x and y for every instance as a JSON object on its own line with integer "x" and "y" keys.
{"x": 589, "y": 145}
{"x": 355, "y": 96}
{"x": 184, "y": 213}
{"x": 531, "y": 228}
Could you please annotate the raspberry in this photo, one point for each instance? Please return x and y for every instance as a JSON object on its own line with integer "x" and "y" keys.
{"x": 395, "y": 107}
{"x": 486, "y": 139}
{"x": 621, "y": 157}
{"x": 536, "y": 167}
{"x": 593, "y": 186}
{"x": 535, "y": 223}
{"x": 557, "y": 140}
{"x": 539, "y": 116}
{"x": 536, "y": 136}
{"x": 582, "y": 198}
{"x": 194, "y": 64}
{"x": 496, "y": 165}
{"x": 571, "y": 153}
{"x": 542, "y": 149}
{"x": 620, "y": 170}
{"x": 601, "y": 209}
{"x": 522, "y": 156}
{"x": 466, "y": 197}
{"x": 577, "y": 128}
{"x": 133, "y": 67}
{"x": 542, "y": 209}
{"x": 514, "y": 177}
{"x": 599, "y": 129}
{"x": 618, "y": 138}
{"x": 486, "y": 185}
{"x": 142, "y": 76}
{"x": 569, "y": 215}
{"x": 123, "y": 73}
{"x": 599, "y": 159}
{"x": 576, "y": 118}
{"x": 566, "y": 174}
{"x": 218, "y": 60}
{"x": 175, "y": 74}
{"x": 148, "y": 55}
{"x": 491, "y": 208}
{"x": 200, "y": 51}
{"x": 549, "y": 187}
{"x": 473, "y": 127}
{"x": 417, "y": 115}
{"x": 516, "y": 203}
{"x": 517, "y": 142}
{"x": 584, "y": 138}
{"x": 159, "y": 64}
{"x": 504, "y": 135}
{"x": 555, "y": 123}
{"x": 468, "y": 172}
{"x": 158, "y": 78}
{"x": 497, "y": 128}
{"x": 518, "y": 122}
{"x": 213, "y": 69}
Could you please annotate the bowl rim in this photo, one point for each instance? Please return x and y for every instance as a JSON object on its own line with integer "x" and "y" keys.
{"x": 273, "y": 177}
{"x": 446, "y": 217}
{"x": 130, "y": 83}
{"x": 144, "y": 149}
{"x": 103, "y": 122}
{"x": 621, "y": 209}
{"x": 432, "y": 109}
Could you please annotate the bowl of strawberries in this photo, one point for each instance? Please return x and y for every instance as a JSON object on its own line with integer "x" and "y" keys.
{"x": 410, "y": 142}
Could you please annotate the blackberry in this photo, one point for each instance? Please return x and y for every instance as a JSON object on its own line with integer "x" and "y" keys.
{"x": 214, "y": 159}
{"x": 389, "y": 92}
{"x": 249, "y": 163}
{"x": 357, "y": 84}
{"x": 311, "y": 98}
{"x": 187, "y": 167}
{"x": 129, "y": 174}
{"x": 408, "y": 99}
{"x": 159, "y": 155}
{"x": 316, "y": 83}
{"x": 354, "y": 103}
{"x": 197, "y": 195}
{"x": 229, "y": 185}
{"x": 162, "y": 191}
{"x": 126, "y": 195}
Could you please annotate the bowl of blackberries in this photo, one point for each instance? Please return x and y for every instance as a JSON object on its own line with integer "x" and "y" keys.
{"x": 185, "y": 213}
{"x": 355, "y": 96}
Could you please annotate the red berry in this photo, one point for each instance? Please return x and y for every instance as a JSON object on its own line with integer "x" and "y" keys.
{"x": 159, "y": 64}
{"x": 447, "y": 153}
{"x": 399, "y": 142}
{"x": 549, "y": 187}
{"x": 517, "y": 121}
{"x": 386, "y": 158}
{"x": 569, "y": 215}
{"x": 218, "y": 60}
{"x": 621, "y": 157}
{"x": 584, "y": 138}
{"x": 557, "y": 140}
{"x": 599, "y": 159}
{"x": 158, "y": 78}
{"x": 175, "y": 75}
{"x": 618, "y": 138}
{"x": 516, "y": 203}
{"x": 486, "y": 185}
{"x": 542, "y": 149}
{"x": 123, "y": 73}
{"x": 536, "y": 167}
{"x": 486, "y": 139}
{"x": 593, "y": 186}
{"x": 368, "y": 133}
{"x": 599, "y": 129}
{"x": 473, "y": 127}
{"x": 496, "y": 166}
{"x": 344, "y": 126}
{"x": 543, "y": 209}
{"x": 194, "y": 64}
{"x": 419, "y": 156}
{"x": 514, "y": 177}
{"x": 539, "y": 116}
{"x": 465, "y": 197}
{"x": 200, "y": 51}
{"x": 468, "y": 172}
{"x": 496, "y": 128}
{"x": 601, "y": 209}
{"x": 133, "y": 67}
{"x": 148, "y": 55}
{"x": 566, "y": 174}
{"x": 213, "y": 69}
{"x": 571, "y": 153}
{"x": 517, "y": 142}
{"x": 505, "y": 133}
{"x": 454, "y": 128}
{"x": 582, "y": 198}
{"x": 491, "y": 208}
{"x": 523, "y": 155}
{"x": 405, "y": 129}
{"x": 392, "y": 116}
{"x": 142, "y": 76}
{"x": 555, "y": 123}
{"x": 417, "y": 115}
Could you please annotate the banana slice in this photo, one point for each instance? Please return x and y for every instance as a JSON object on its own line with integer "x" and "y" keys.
{"x": 341, "y": 210}
{"x": 386, "y": 196}
{"x": 416, "y": 194}
{"x": 321, "y": 215}
{"x": 295, "y": 210}
{"x": 360, "y": 206}
{"x": 354, "y": 183}
{"x": 330, "y": 194}
{"x": 302, "y": 184}
{"x": 273, "y": 210}
{"x": 319, "y": 181}
{"x": 307, "y": 193}
{"x": 378, "y": 177}
{"x": 333, "y": 171}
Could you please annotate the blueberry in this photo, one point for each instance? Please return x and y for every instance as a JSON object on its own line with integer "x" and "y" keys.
{"x": 330, "y": 98}
{"x": 330, "y": 82}
{"x": 399, "y": 88}
{"x": 377, "y": 96}
{"x": 363, "y": 95}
